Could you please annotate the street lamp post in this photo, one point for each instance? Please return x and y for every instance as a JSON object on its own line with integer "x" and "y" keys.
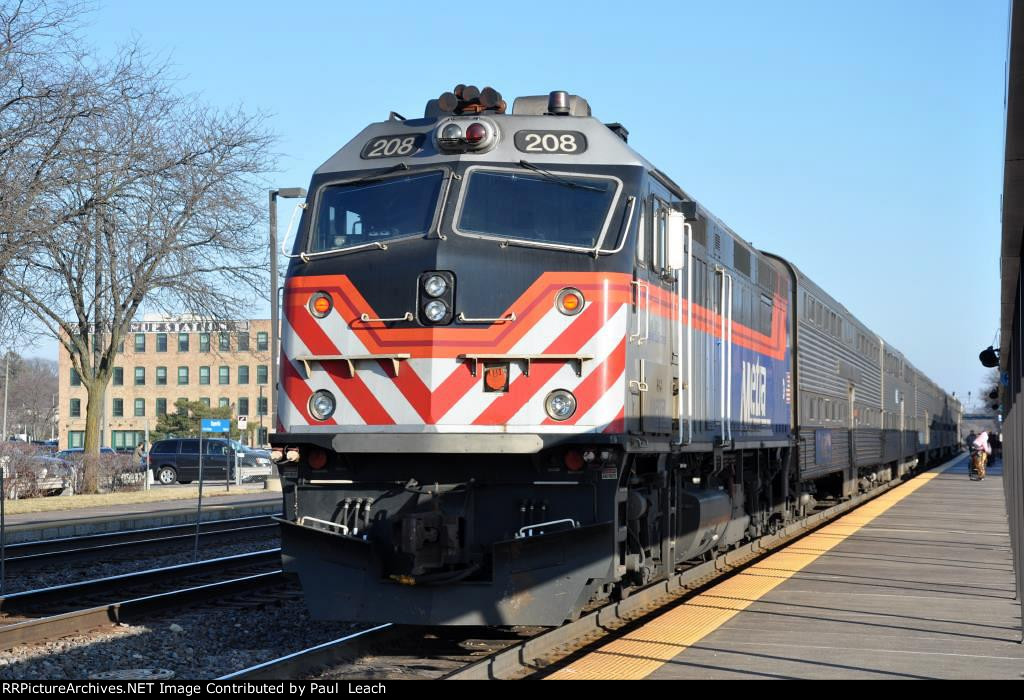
{"x": 287, "y": 193}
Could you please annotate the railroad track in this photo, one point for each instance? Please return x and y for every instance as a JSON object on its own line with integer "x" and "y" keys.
{"x": 113, "y": 546}
{"x": 60, "y": 611}
{"x": 391, "y": 652}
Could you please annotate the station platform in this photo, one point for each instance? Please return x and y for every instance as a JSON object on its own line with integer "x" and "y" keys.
{"x": 917, "y": 583}
{"x": 28, "y": 527}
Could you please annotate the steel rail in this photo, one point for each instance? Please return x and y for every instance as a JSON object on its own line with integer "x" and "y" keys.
{"x": 26, "y": 601}
{"x": 311, "y": 660}
{"x": 36, "y": 554}
{"x": 131, "y": 535}
{"x": 76, "y": 622}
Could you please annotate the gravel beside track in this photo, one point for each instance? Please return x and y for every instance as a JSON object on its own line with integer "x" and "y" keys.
{"x": 84, "y": 570}
{"x": 204, "y": 642}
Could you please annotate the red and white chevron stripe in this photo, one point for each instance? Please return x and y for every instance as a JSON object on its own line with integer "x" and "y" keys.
{"x": 435, "y": 391}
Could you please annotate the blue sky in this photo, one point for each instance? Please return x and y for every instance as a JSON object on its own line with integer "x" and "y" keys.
{"x": 862, "y": 140}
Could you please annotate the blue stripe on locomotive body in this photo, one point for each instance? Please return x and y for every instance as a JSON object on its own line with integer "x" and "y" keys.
{"x": 761, "y": 408}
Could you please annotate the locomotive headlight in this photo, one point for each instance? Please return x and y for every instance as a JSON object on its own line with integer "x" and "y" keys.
{"x": 560, "y": 404}
{"x": 435, "y": 285}
{"x": 435, "y": 310}
{"x": 321, "y": 405}
{"x": 451, "y": 135}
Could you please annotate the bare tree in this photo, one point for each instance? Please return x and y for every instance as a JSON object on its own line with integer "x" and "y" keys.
{"x": 43, "y": 92}
{"x": 31, "y": 396}
{"x": 150, "y": 197}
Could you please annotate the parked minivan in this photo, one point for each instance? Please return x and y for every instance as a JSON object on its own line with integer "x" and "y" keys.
{"x": 177, "y": 460}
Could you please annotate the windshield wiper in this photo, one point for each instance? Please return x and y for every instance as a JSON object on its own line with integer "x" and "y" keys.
{"x": 377, "y": 176}
{"x": 560, "y": 180}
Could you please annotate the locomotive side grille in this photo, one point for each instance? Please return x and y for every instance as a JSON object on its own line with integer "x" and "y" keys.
{"x": 741, "y": 259}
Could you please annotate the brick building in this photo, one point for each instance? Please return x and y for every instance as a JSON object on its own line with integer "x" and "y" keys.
{"x": 220, "y": 363}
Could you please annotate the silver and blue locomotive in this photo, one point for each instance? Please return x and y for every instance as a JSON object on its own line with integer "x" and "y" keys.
{"x": 523, "y": 371}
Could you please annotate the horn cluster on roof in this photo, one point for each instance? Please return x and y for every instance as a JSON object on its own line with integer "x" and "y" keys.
{"x": 469, "y": 99}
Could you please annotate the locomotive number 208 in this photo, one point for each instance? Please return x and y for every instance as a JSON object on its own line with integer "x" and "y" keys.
{"x": 562, "y": 142}
{"x": 391, "y": 146}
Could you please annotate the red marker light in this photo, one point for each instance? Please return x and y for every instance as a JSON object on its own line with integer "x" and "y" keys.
{"x": 317, "y": 458}
{"x": 573, "y": 461}
{"x": 475, "y": 133}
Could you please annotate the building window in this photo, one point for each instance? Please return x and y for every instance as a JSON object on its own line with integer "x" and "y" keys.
{"x": 243, "y": 407}
{"x": 140, "y": 407}
{"x": 183, "y": 375}
{"x": 224, "y": 402}
{"x": 75, "y": 409}
{"x": 181, "y": 406}
{"x": 140, "y": 376}
{"x": 182, "y": 342}
{"x": 262, "y": 405}
{"x": 204, "y": 375}
{"x": 161, "y": 342}
{"x": 76, "y": 438}
{"x": 161, "y": 407}
{"x": 205, "y": 401}
{"x": 261, "y": 374}
{"x": 243, "y": 374}
{"x": 76, "y": 378}
{"x": 243, "y": 341}
{"x": 224, "y": 342}
{"x": 140, "y": 342}
{"x": 261, "y": 341}
{"x": 124, "y": 439}
{"x": 204, "y": 342}
{"x": 118, "y": 408}
{"x": 223, "y": 375}
{"x": 120, "y": 346}
{"x": 119, "y": 376}
{"x": 161, "y": 376}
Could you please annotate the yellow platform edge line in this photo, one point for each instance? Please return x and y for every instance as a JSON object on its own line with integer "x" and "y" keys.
{"x": 648, "y": 648}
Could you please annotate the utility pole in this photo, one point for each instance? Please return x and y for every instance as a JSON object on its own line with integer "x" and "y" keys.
{"x": 7, "y": 380}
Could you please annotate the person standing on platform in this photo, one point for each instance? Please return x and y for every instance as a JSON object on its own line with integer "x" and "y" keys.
{"x": 980, "y": 451}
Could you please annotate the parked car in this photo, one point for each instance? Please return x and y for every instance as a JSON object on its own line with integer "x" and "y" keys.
{"x": 76, "y": 453}
{"x": 177, "y": 460}
{"x": 33, "y": 475}
{"x": 117, "y": 471}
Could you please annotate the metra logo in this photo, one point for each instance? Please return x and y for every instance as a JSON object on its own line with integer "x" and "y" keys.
{"x": 754, "y": 394}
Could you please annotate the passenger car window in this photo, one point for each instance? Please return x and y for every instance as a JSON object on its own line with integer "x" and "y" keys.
{"x": 190, "y": 447}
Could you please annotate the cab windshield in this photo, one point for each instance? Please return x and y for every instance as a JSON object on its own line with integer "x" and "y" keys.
{"x": 357, "y": 214}
{"x": 542, "y": 207}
